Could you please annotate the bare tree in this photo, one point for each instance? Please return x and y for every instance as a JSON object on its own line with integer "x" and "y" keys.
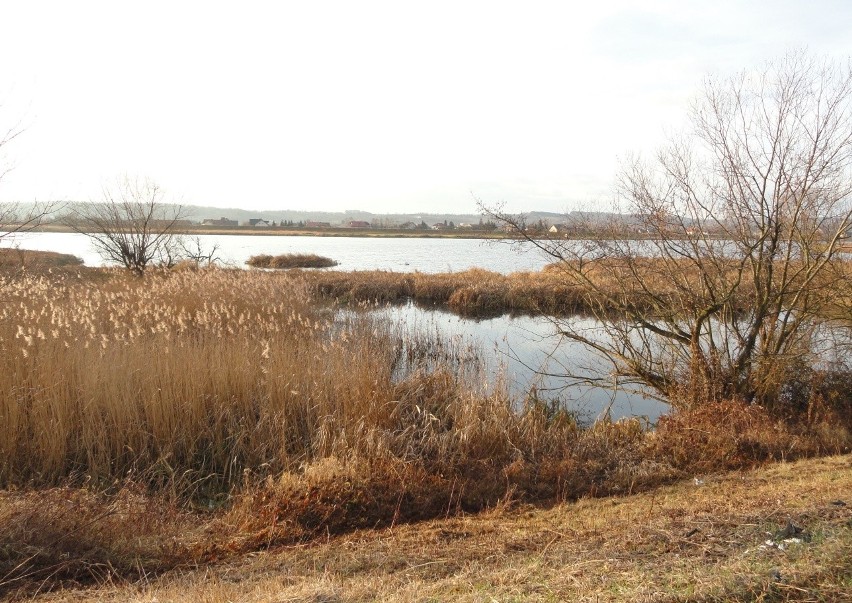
{"x": 715, "y": 282}
{"x": 132, "y": 225}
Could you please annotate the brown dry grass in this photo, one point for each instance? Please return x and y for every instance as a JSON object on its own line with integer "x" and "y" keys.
{"x": 677, "y": 543}
{"x": 290, "y": 260}
{"x": 16, "y": 259}
{"x": 607, "y": 284}
{"x": 474, "y": 292}
{"x": 77, "y": 536}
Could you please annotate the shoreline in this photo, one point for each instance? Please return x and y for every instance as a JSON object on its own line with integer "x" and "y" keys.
{"x": 317, "y": 232}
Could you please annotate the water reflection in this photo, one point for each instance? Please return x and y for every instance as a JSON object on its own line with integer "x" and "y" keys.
{"x": 529, "y": 355}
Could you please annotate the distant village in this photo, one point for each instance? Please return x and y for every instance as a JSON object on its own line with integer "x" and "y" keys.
{"x": 378, "y": 224}
{"x": 574, "y": 224}
{"x": 569, "y": 226}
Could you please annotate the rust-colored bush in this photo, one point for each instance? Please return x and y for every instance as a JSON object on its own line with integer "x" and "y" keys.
{"x": 734, "y": 435}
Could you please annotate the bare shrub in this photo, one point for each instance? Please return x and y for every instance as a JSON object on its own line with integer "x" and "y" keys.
{"x": 133, "y": 226}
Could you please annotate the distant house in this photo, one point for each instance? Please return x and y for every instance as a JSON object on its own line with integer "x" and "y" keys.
{"x": 312, "y": 224}
{"x": 439, "y": 226}
{"x": 259, "y": 223}
{"x": 219, "y": 222}
{"x": 465, "y": 226}
{"x": 357, "y": 224}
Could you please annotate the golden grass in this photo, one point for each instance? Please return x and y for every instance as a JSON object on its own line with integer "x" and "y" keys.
{"x": 677, "y": 543}
{"x": 189, "y": 379}
{"x": 192, "y": 380}
{"x": 198, "y": 374}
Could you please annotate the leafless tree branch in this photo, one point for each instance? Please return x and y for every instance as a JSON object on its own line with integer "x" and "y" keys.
{"x": 717, "y": 283}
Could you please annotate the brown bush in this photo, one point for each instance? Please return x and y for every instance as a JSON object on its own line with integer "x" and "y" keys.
{"x": 734, "y": 435}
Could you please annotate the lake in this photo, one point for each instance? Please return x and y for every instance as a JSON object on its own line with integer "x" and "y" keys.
{"x": 430, "y": 255}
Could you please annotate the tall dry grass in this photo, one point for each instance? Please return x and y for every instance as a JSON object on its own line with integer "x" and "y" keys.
{"x": 197, "y": 380}
{"x": 25, "y": 259}
{"x": 194, "y": 375}
{"x": 606, "y": 285}
{"x": 290, "y": 260}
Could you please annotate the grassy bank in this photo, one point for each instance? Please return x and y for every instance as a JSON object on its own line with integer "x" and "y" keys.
{"x": 474, "y": 292}
{"x": 723, "y": 540}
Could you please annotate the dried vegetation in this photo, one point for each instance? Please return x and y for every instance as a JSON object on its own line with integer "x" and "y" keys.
{"x": 228, "y": 409}
{"x": 23, "y": 259}
{"x": 473, "y": 292}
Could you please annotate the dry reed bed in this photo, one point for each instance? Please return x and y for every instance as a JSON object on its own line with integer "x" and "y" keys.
{"x": 197, "y": 374}
{"x": 199, "y": 380}
{"x": 13, "y": 258}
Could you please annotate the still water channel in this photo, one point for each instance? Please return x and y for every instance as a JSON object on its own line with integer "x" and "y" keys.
{"x": 529, "y": 356}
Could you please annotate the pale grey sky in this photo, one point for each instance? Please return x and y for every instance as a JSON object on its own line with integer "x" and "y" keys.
{"x": 381, "y": 106}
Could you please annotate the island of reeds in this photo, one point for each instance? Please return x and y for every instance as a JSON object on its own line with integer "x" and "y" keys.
{"x": 290, "y": 260}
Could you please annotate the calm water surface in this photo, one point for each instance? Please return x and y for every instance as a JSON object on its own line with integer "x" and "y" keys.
{"x": 527, "y": 353}
{"x": 352, "y": 253}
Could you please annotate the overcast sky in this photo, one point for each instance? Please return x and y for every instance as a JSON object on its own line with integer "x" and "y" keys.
{"x": 381, "y": 106}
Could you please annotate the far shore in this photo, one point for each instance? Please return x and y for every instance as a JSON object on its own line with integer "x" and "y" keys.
{"x": 376, "y": 233}
{"x": 322, "y": 232}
